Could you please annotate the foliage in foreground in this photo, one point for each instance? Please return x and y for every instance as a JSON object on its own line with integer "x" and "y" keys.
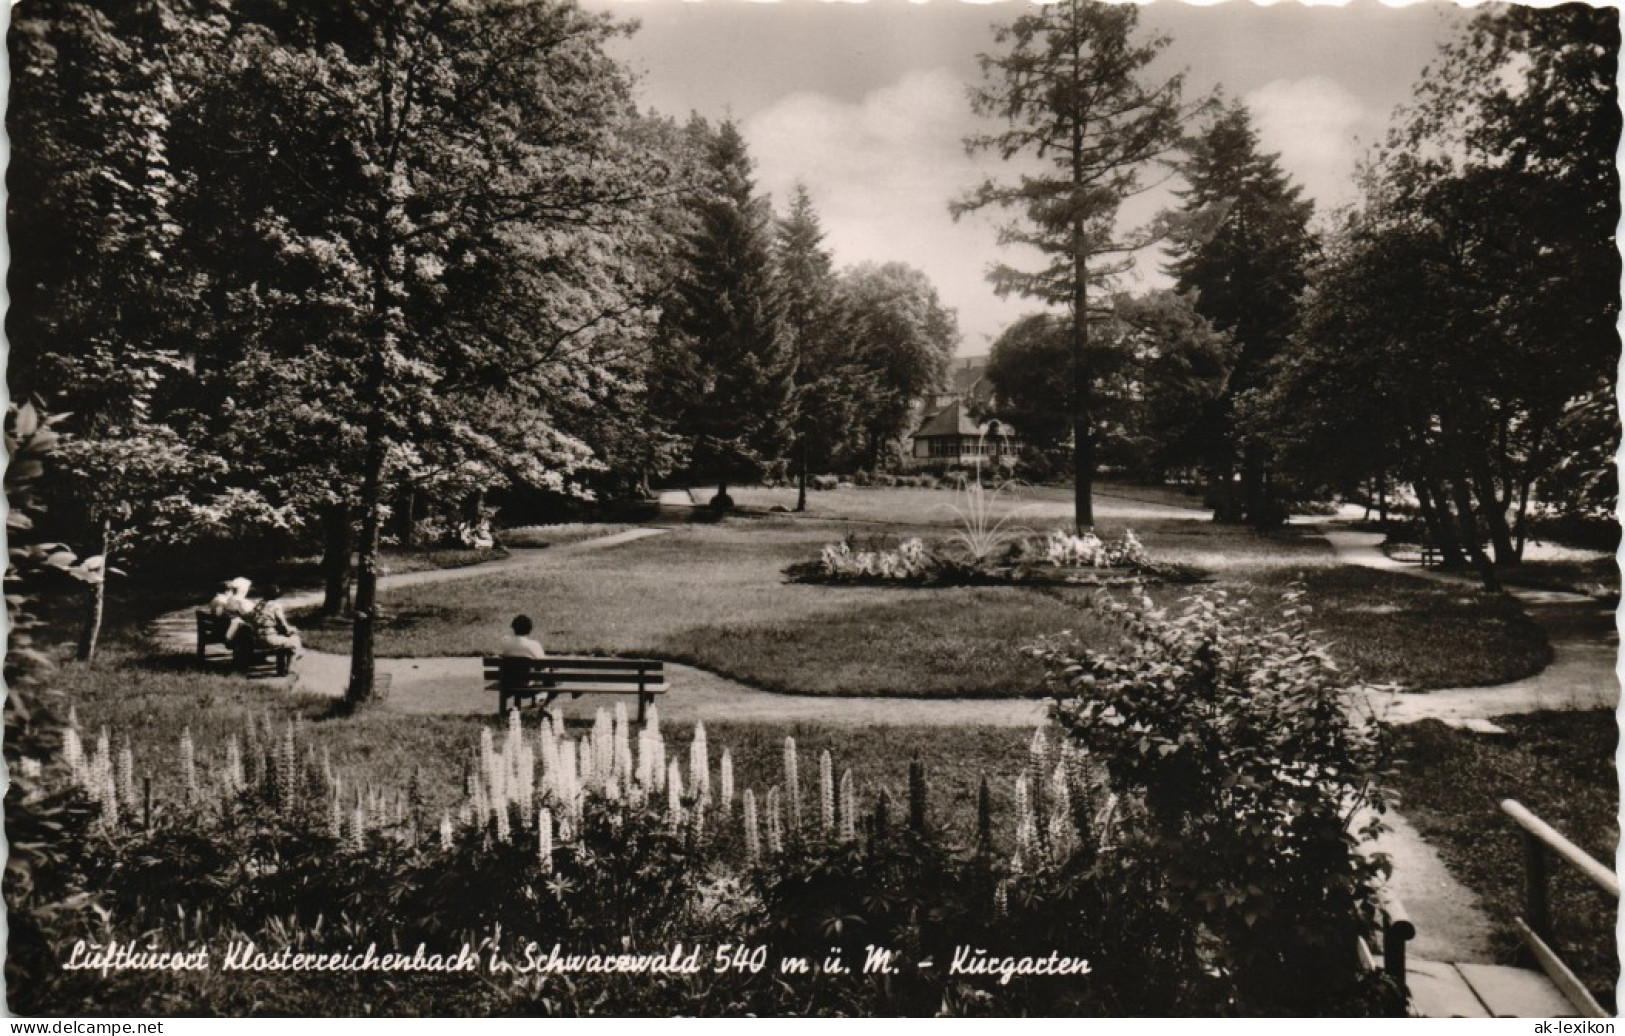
{"x": 1184, "y": 894}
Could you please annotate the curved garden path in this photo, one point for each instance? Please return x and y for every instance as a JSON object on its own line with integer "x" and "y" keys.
{"x": 1581, "y": 630}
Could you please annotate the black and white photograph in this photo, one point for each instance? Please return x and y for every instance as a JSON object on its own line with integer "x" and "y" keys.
{"x": 818, "y": 509}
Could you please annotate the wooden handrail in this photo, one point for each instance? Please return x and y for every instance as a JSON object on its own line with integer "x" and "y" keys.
{"x": 1604, "y": 878}
{"x": 1535, "y": 930}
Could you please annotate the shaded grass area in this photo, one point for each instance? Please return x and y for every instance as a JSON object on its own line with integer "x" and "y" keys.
{"x": 716, "y": 596}
{"x": 1389, "y": 627}
{"x": 1561, "y": 766}
{"x": 1593, "y": 577}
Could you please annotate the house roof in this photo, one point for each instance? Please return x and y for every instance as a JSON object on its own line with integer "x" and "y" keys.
{"x": 950, "y": 420}
{"x": 967, "y": 374}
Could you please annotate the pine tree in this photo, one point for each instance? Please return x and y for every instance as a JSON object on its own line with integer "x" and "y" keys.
{"x": 730, "y": 355}
{"x": 1071, "y": 89}
{"x": 1247, "y": 275}
{"x": 829, "y": 383}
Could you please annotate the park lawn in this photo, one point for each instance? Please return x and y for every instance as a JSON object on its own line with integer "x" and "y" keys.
{"x": 1038, "y": 508}
{"x": 715, "y": 596}
{"x": 1561, "y": 766}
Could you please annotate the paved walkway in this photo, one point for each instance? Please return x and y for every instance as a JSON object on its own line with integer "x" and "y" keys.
{"x": 1581, "y": 630}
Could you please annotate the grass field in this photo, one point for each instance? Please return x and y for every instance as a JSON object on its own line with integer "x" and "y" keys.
{"x": 715, "y": 595}
{"x": 1561, "y": 766}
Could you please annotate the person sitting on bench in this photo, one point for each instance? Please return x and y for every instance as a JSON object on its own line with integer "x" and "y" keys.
{"x": 519, "y": 643}
{"x": 233, "y": 607}
{"x": 271, "y": 626}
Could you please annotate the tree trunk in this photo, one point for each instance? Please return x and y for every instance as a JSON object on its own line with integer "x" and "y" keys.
{"x": 1495, "y": 517}
{"x": 363, "y": 664}
{"x": 801, "y": 491}
{"x": 1382, "y": 499}
{"x": 337, "y": 541}
{"x": 1469, "y": 534}
{"x": 97, "y": 604}
{"x": 1522, "y": 525}
{"x": 1441, "y": 523}
{"x": 1255, "y": 498}
{"x": 1083, "y": 439}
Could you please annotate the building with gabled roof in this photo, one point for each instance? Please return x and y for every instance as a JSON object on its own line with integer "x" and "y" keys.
{"x": 951, "y": 436}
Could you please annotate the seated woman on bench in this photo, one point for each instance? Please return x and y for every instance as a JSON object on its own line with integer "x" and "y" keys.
{"x": 270, "y": 624}
{"x": 519, "y": 643}
{"x": 231, "y": 607}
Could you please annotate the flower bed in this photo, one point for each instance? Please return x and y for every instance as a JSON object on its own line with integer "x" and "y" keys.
{"x": 1057, "y": 558}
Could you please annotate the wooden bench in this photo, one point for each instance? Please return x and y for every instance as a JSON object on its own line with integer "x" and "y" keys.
{"x": 530, "y": 678}
{"x": 211, "y": 629}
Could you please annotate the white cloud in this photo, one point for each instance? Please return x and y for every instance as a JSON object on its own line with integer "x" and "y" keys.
{"x": 881, "y": 172}
{"x": 1321, "y": 131}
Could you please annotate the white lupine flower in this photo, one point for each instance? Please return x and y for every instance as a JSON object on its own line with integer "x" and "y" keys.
{"x": 544, "y": 840}
{"x": 565, "y": 786}
{"x": 445, "y": 830}
{"x": 603, "y": 747}
{"x": 335, "y": 818}
{"x": 792, "y": 784}
{"x": 73, "y": 753}
{"x": 826, "y": 794}
{"x": 567, "y": 831}
{"x": 465, "y": 815}
{"x": 753, "y": 839}
{"x": 646, "y": 759}
{"x": 1060, "y": 836}
{"x": 1060, "y": 790}
{"x": 188, "y": 764}
{"x": 658, "y": 766}
{"x": 504, "y": 825}
{"x": 727, "y": 781}
{"x": 358, "y": 830}
{"x": 775, "y": 822}
{"x": 699, "y": 765}
{"x": 849, "y": 808}
{"x": 674, "y": 792}
{"x": 1039, "y": 752}
{"x": 623, "y": 744}
{"x": 1001, "y": 899}
{"x": 525, "y": 785}
{"x": 234, "y": 766}
{"x": 126, "y": 775}
{"x": 652, "y": 722}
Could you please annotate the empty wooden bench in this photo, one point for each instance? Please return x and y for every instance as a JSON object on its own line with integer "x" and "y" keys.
{"x": 521, "y": 679}
{"x": 211, "y": 629}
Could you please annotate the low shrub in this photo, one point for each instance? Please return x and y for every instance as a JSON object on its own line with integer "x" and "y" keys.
{"x": 823, "y": 482}
{"x": 1245, "y": 772}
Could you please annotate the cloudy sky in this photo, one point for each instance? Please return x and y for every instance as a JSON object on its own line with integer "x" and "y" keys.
{"x": 866, "y": 104}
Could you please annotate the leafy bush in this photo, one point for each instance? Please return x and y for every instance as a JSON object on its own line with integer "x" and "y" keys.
{"x": 1246, "y": 774}
{"x": 823, "y": 482}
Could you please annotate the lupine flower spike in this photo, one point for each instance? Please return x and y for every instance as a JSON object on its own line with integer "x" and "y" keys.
{"x": 849, "y": 808}
{"x": 826, "y": 794}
